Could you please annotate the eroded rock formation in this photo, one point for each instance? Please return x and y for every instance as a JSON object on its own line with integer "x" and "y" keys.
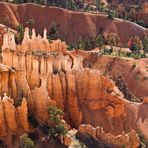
{"x": 129, "y": 140}
{"x": 43, "y": 73}
{"x": 12, "y": 118}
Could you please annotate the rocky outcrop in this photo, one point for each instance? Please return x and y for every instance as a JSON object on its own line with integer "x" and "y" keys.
{"x": 12, "y": 118}
{"x": 129, "y": 140}
{"x": 145, "y": 100}
{"x": 3, "y": 30}
{"x": 23, "y": 115}
{"x": 39, "y": 101}
{"x": 35, "y": 43}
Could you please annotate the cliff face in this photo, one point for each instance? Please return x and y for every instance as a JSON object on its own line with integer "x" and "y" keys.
{"x": 43, "y": 73}
{"x": 70, "y": 25}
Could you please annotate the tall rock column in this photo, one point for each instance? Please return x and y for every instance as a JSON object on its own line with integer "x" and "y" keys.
{"x": 57, "y": 91}
{"x": 75, "y": 115}
{"x": 3, "y": 131}
{"x": 40, "y": 100}
{"x": 10, "y": 113}
{"x": 22, "y": 115}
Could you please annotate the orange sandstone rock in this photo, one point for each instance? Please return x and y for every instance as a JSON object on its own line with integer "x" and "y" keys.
{"x": 23, "y": 115}
{"x": 12, "y": 119}
{"x": 145, "y": 100}
{"x": 10, "y": 113}
{"x": 83, "y": 94}
{"x": 3, "y": 131}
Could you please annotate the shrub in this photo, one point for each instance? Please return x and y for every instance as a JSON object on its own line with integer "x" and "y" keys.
{"x": 26, "y": 142}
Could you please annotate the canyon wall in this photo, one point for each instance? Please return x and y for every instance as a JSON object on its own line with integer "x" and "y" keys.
{"x": 46, "y": 74}
{"x": 70, "y": 25}
{"x": 136, "y": 79}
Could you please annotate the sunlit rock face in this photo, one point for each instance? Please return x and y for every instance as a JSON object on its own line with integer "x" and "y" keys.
{"x": 47, "y": 74}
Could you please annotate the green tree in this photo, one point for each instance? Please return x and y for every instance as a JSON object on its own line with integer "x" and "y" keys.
{"x": 145, "y": 43}
{"x": 31, "y": 23}
{"x": 112, "y": 39}
{"x": 20, "y": 34}
{"x": 110, "y": 8}
{"x": 141, "y": 23}
{"x": 71, "y": 5}
{"x": 80, "y": 44}
{"x": 112, "y": 14}
{"x": 98, "y": 4}
{"x": 56, "y": 125}
{"x": 134, "y": 47}
{"x": 99, "y": 41}
{"x": 26, "y": 142}
{"x": 143, "y": 141}
{"x": 53, "y": 33}
{"x": 87, "y": 43}
{"x": 136, "y": 44}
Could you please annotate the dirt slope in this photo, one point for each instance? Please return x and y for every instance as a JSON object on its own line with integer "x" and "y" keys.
{"x": 71, "y": 25}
